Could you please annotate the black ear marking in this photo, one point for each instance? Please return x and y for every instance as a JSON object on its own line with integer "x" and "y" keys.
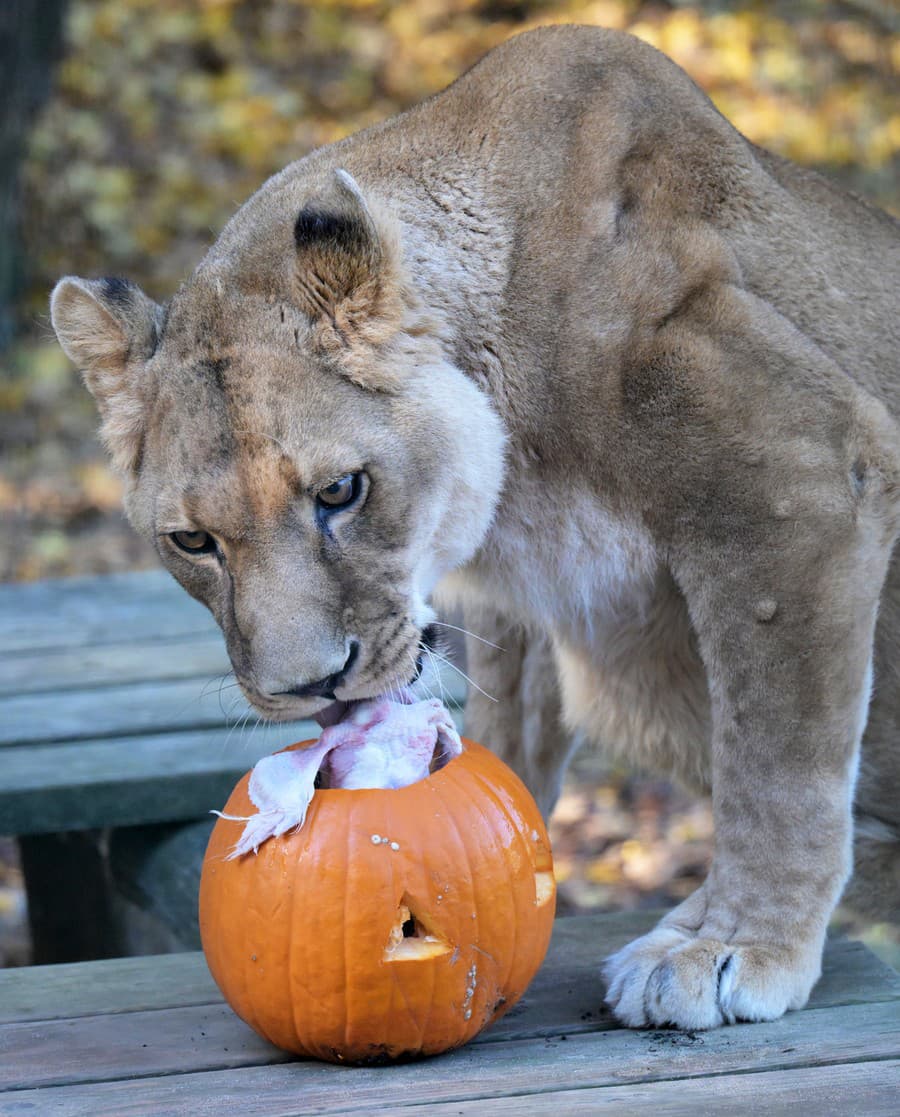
{"x": 328, "y": 228}
{"x": 117, "y": 291}
{"x": 339, "y": 254}
{"x": 347, "y": 277}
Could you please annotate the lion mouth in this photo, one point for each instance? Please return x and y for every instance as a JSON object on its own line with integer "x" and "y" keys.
{"x": 338, "y": 710}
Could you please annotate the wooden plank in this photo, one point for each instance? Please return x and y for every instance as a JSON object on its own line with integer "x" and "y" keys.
{"x": 127, "y": 708}
{"x": 139, "y": 984}
{"x": 858, "y": 1088}
{"x": 564, "y": 999}
{"x": 128, "y": 781}
{"x": 113, "y": 608}
{"x": 132, "y": 780}
{"x": 852, "y": 974}
{"x": 567, "y": 993}
{"x": 145, "y": 660}
{"x": 81, "y": 624}
{"x": 110, "y": 609}
{"x": 130, "y": 708}
{"x": 142, "y": 660}
{"x": 108, "y": 986}
{"x": 191, "y": 1062}
{"x": 570, "y": 989}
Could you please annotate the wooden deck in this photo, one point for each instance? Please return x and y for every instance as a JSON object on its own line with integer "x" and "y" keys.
{"x": 151, "y": 1036}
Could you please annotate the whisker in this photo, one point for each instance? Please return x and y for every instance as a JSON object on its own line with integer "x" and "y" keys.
{"x": 222, "y": 687}
{"x": 257, "y": 724}
{"x": 237, "y": 726}
{"x": 212, "y": 682}
{"x": 474, "y": 635}
{"x": 437, "y": 674}
{"x": 235, "y": 702}
{"x": 459, "y": 671}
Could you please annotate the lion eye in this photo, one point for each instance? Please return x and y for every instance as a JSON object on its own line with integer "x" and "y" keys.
{"x": 194, "y": 542}
{"x": 340, "y": 493}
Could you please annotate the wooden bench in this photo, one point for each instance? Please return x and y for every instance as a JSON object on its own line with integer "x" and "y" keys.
{"x": 152, "y": 1036}
{"x": 114, "y": 733}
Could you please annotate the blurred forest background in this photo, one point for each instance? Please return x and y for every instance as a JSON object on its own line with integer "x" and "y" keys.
{"x": 132, "y": 129}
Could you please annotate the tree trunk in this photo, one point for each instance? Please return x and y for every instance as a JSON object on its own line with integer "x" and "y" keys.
{"x": 31, "y": 35}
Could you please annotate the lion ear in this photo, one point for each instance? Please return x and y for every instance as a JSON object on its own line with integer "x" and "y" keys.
{"x": 348, "y": 278}
{"x": 109, "y": 328}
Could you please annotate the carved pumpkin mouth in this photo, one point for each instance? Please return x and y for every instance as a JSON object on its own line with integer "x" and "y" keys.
{"x": 410, "y": 939}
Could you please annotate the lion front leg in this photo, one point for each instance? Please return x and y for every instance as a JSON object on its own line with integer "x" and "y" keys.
{"x": 786, "y": 634}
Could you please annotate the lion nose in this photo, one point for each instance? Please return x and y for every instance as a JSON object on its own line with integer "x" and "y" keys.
{"x": 325, "y": 688}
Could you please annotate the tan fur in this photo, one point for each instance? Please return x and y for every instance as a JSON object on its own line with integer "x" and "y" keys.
{"x": 622, "y": 383}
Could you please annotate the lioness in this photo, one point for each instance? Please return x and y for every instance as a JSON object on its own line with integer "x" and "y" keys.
{"x": 561, "y": 345}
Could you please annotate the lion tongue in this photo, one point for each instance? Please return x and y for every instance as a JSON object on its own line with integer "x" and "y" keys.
{"x": 374, "y": 743}
{"x": 332, "y": 714}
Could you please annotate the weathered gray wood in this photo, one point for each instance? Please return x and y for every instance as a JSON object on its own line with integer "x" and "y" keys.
{"x": 565, "y": 998}
{"x": 197, "y": 1051}
{"x": 852, "y": 974}
{"x": 105, "y": 987}
{"x": 129, "y": 781}
{"x": 77, "y": 612}
{"x": 133, "y": 1044}
{"x": 859, "y": 1088}
{"x": 570, "y": 989}
{"x": 566, "y": 993}
{"x": 132, "y": 708}
{"x": 138, "y": 984}
{"x": 146, "y": 660}
{"x": 119, "y": 710}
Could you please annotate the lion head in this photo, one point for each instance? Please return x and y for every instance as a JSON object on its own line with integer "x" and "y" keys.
{"x": 296, "y": 443}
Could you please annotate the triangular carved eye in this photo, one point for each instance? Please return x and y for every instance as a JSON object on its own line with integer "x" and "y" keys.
{"x": 411, "y": 939}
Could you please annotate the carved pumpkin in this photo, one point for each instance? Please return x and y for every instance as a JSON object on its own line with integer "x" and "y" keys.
{"x": 395, "y": 923}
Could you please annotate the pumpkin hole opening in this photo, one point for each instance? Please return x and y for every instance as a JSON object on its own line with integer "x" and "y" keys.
{"x": 543, "y": 862}
{"x": 411, "y": 939}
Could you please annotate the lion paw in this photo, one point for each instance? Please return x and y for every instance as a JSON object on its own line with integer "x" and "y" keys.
{"x": 676, "y": 978}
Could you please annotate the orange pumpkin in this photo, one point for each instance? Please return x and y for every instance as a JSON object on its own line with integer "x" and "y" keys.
{"x": 395, "y": 923}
